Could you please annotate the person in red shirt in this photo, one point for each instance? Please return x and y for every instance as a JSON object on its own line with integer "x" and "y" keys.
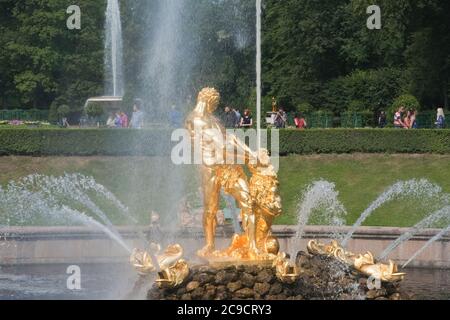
{"x": 124, "y": 119}
{"x": 300, "y": 122}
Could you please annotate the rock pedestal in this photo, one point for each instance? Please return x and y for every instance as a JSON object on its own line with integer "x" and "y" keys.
{"x": 321, "y": 278}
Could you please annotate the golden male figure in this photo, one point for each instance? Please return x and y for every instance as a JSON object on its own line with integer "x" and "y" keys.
{"x": 210, "y": 137}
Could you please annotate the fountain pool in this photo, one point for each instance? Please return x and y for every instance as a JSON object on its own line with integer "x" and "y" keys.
{"x": 48, "y": 282}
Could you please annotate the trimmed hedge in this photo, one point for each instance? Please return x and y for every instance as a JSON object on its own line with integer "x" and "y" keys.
{"x": 84, "y": 142}
{"x": 364, "y": 141}
{"x": 121, "y": 142}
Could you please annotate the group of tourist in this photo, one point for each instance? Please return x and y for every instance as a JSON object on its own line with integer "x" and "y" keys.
{"x": 117, "y": 120}
{"x": 407, "y": 119}
{"x": 280, "y": 120}
{"x": 120, "y": 119}
{"x": 232, "y": 118}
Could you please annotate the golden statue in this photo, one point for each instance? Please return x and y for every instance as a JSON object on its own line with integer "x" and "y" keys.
{"x": 174, "y": 275}
{"x": 172, "y": 270}
{"x": 142, "y": 262}
{"x": 285, "y": 271}
{"x": 363, "y": 263}
{"x": 274, "y": 105}
{"x": 266, "y": 205}
{"x": 266, "y": 202}
{"x": 257, "y": 199}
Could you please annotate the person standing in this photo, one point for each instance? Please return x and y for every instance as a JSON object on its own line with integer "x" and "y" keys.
{"x": 118, "y": 120}
{"x": 176, "y": 118}
{"x": 65, "y": 123}
{"x": 281, "y": 119}
{"x": 300, "y": 121}
{"x": 155, "y": 235}
{"x": 440, "y": 121}
{"x": 247, "y": 120}
{"x": 413, "y": 120}
{"x": 398, "y": 122}
{"x": 111, "y": 121}
{"x": 382, "y": 120}
{"x": 137, "y": 120}
{"x": 407, "y": 120}
{"x": 124, "y": 119}
{"x": 229, "y": 118}
{"x": 238, "y": 118}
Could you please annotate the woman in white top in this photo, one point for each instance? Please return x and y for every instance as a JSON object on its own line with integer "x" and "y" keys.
{"x": 440, "y": 123}
{"x": 111, "y": 121}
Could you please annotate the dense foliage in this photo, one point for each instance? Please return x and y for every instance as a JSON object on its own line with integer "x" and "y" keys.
{"x": 157, "y": 142}
{"x": 317, "y": 55}
{"x": 322, "y": 53}
{"x": 94, "y": 110}
{"x": 42, "y": 61}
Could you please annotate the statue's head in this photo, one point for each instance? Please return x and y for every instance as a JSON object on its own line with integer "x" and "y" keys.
{"x": 211, "y": 97}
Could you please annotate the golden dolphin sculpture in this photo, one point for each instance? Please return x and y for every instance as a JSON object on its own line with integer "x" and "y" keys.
{"x": 363, "y": 263}
{"x": 285, "y": 271}
{"x": 174, "y": 275}
{"x": 142, "y": 262}
{"x": 368, "y": 266}
{"x": 172, "y": 270}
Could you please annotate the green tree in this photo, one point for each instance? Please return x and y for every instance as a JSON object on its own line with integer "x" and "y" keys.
{"x": 320, "y": 52}
{"x": 63, "y": 111}
{"x": 408, "y": 101}
{"x": 46, "y": 60}
{"x": 94, "y": 110}
{"x": 301, "y": 42}
{"x": 428, "y": 62}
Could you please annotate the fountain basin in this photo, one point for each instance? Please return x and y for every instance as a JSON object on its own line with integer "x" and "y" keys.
{"x": 47, "y": 245}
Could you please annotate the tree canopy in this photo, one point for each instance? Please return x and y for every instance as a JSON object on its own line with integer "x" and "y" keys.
{"x": 316, "y": 53}
{"x": 322, "y": 53}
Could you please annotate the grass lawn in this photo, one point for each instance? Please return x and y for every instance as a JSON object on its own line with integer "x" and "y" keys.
{"x": 359, "y": 178}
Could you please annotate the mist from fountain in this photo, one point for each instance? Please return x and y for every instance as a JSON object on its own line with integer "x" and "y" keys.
{"x": 414, "y": 188}
{"x": 64, "y": 187}
{"x": 429, "y": 243}
{"x": 169, "y": 59}
{"x": 90, "y": 222}
{"x": 38, "y": 199}
{"x": 177, "y": 43}
{"x": 319, "y": 195}
{"x": 113, "y": 50}
{"x": 242, "y": 35}
{"x": 425, "y": 223}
